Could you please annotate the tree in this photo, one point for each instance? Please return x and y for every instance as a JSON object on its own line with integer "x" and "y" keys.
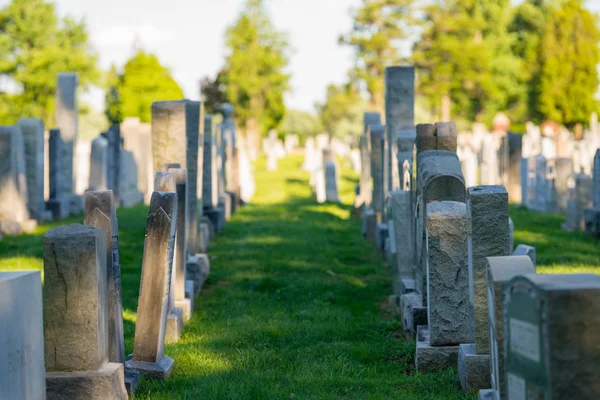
{"x": 342, "y": 112}
{"x": 379, "y": 27}
{"x": 465, "y": 58}
{"x": 301, "y": 123}
{"x": 569, "y": 57}
{"x": 213, "y": 92}
{"x": 35, "y": 46}
{"x": 143, "y": 81}
{"x": 254, "y": 73}
{"x": 113, "y": 105}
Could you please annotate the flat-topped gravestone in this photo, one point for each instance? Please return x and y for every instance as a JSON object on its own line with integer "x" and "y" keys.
{"x": 400, "y": 205}
{"x": 13, "y": 183}
{"x": 449, "y": 313}
{"x": 22, "y": 374}
{"x": 426, "y": 139}
{"x": 114, "y": 168}
{"x": 66, "y": 122}
{"x": 176, "y": 139}
{"x": 499, "y": 271}
{"x": 446, "y": 135}
{"x": 551, "y": 324}
{"x": 331, "y": 191}
{"x": 153, "y": 304}
{"x": 75, "y": 316}
{"x": 210, "y": 190}
{"x": 377, "y": 136}
{"x": 33, "y": 144}
{"x": 365, "y": 170}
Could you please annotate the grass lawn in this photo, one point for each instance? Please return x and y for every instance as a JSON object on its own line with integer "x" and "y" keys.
{"x": 295, "y": 306}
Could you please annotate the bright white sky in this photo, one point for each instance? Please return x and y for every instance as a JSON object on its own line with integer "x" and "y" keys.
{"x": 188, "y": 37}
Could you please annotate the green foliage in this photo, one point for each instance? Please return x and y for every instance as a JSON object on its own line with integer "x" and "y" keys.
{"x": 214, "y": 93}
{"x": 465, "y": 54}
{"x": 342, "y": 112}
{"x": 378, "y": 29}
{"x": 301, "y": 123}
{"x": 35, "y": 45}
{"x": 254, "y": 74}
{"x": 112, "y": 101}
{"x": 143, "y": 81}
{"x": 569, "y": 56}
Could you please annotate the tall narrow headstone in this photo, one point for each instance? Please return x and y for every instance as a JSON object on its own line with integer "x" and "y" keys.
{"x": 13, "y": 182}
{"x": 550, "y": 331}
{"x": 66, "y": 122}
{"x": 153, "y": 304}
{"x": 365, "y": 170}
{"x": 22, "y": 374}
{"x": 377, "y": 136}
{"x": 176, "y": 129}
{"x": 399, "y": 114}
{"x": 99, "y": 164}
{"x": 113, "y": 136}
{"x": 209, "y": 182}
{"x": 75, "y": 316}
{"x": 33, "y": 143}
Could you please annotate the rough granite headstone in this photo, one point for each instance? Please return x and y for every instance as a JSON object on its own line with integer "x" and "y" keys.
{"x": 75, "y": 316}
{"x": 22, "y": 373}
{"x": 551, "y": 324}
{"x": 33, "y": 143}
{"x": 66, "y": 122}
{"x": 99, "y": 164}
{"x": 377, "y": 136}
{"x": 153, "y": 304}
{"x": 13, "y": 182}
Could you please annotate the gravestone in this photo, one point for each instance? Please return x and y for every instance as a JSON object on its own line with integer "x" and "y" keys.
{"x": 448, "y": 312}
{"x": 66, "y": 122}
{"x": 331, "y": 191}
{"x": 99, "y": 164}
{"x": 210, "y": 184}
{"x": 446, "y": 136}
{"x": 365, "y": 172}
{"x": 580, "y": 199}
{"x": 128, "y": 181}
{"x": 403, "y": 237}
{"x": 113, "y": 166}
{"x": 32, "y": 130}
{"x": 499, "y": 271}
{"x": 592, "y": 215}
{"x": 550, "y": 330}
{"x": 57, "y": 204}
{"x": 514, "y": 188}
{"x": 488, "y": 236}
{"x": 22, "y": 374}
{"x": 75, "y": 317}
{"x": 377, "y": 137}
{"x": 137, "y": 139}
{"x": 13, "y": 182}
{"x": 175, "y": 138}
{"x": 153, "y": 304}
{"x": 399, "y": 115}
{"x": 165, "y": 182}
{"x": 526, "y": 250}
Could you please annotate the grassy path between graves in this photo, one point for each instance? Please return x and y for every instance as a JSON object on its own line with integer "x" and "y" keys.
{"x": 295, "y": 306}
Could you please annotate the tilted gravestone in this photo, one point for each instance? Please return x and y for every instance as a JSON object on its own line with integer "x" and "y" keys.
{"x": 448, "y": 312}
{"x": 176, "y": 138}
{"x": 22, "y": 374}
{"x": 551, "y": 347}
{"x": 75, "y": 317}
{"x": 499, "y": 271}
{"x": 100, "y": 213}
{"x": 153, "y": 305}
{"x": 33, "y": 144}
{"x": 488, "y": 236}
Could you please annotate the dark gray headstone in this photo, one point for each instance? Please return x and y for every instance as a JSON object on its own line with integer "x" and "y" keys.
{"x": 33, "y": 143}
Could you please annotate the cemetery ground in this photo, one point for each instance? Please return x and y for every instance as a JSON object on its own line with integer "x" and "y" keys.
{"x": 296, "y": 302}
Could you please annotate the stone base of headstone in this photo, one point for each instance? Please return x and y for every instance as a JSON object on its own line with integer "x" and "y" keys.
{"x": 216, "y": 216}
{"x": 186, "y": 309}
{"x": 591, "y": 218}
{"x": 473, "y": 369}
{"x": 370, "y": 225}
{"x": 433, "y": 358}
{"x": 152, "y": 370}
{"x": 105, "y": 384}
{"x": 130, "y": 199}
{"x": 132, "y": 380}
{"x": 404, "y": 286}
{"x": 381, "y": 234}
{"x": 174, "y": 325}
{"x": 203, "y": 236}
{"x": 414, "y": 314}
{"x": 487, "y": 394}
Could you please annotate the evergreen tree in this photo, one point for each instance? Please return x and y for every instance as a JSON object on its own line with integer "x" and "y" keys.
{"x": 35, "y": 45}
{"x": 569, "y": 57}
{"x": 342, "y": 112}
{"x": 254, "y": 75}
{"x": 143, "y": 81}
{"x": 379, "y": 28}
{"x": 112, "y": 101}
{"x": 213, "y": 92}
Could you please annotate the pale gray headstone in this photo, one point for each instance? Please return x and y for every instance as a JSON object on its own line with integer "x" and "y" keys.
{"x": 33, "y": 143}
{"x": 13, "y": 182}
{"x": 66, "y": 122}
{"x": 99, "y": 164}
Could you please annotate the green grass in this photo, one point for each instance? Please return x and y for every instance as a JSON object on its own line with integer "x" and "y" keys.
{"x": 295, "y": 303}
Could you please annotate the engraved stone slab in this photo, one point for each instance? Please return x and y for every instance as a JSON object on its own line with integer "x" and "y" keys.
{"x": 66, "y": 122}
{"x": 33, "y": 144}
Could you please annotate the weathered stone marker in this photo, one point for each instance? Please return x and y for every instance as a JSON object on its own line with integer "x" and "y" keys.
{"x": 377, "y": 136}
{"x": 75, "y": 316}
{"x": 176, "y": 136}
{"x": 22, "y": 374}
{"x": 153, "y": 304}
{"x": 551, "y": 324}
{"x": 13, "y": 184}
{"x": 33, "y": 144}
{"x": 591, "y": 215}
{"x": 499, "y": 271}
{"x": 488, "y": 236}
{"x": 66, "y": 122}
{"x": 400, "y": 205}
{"x": 210, "y": 182}
{"x": 448, "y": 311}
{"x": 100, "y": 213}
